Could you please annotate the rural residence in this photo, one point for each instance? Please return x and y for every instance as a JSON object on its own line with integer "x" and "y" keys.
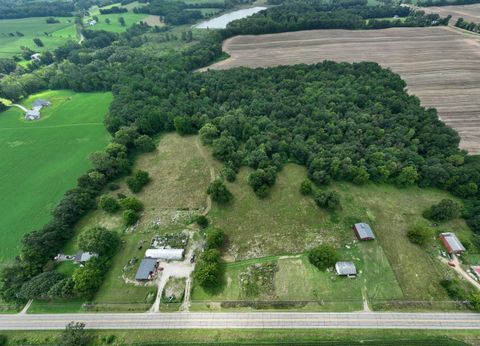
{"x": 147, "y": 269}
{"x": 82, "y": 257}
{"x": 165, "y": 254}
{"x": 476, "y": 271}
{"x": 363, "y": 231}
{"x": 452, "y": 243}
{"x": 345, "y": 269}
{"x": 35, "y": 57}
{"x": 34, "y": 113}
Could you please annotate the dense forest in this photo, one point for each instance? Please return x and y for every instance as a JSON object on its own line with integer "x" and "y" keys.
{"x": 350, "y": 122}
{"x": 352, "y": 15}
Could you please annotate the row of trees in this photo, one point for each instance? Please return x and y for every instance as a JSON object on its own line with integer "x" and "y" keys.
{"x": 470, "y": 26}
{"x": 25, "y": 8}
{"x": 342, "y": 15}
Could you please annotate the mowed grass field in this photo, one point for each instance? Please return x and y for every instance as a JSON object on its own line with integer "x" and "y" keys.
{"x": 42, "y": 159}
{"x": 31, "y": 28}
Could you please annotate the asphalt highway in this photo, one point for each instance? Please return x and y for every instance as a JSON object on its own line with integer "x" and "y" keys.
{"x": 257, "y": 320}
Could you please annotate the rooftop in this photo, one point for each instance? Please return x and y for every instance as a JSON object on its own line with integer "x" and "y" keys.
{"x": 146, "y": 268}
{"x": 345, "y": 268}
{"x": 364, "y": 231}
{"x": 165, "y": 254}
{"x": 451, "y": 242}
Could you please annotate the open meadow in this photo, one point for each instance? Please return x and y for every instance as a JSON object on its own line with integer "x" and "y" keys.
{"x": 52, "y": 35}
{"x": 439, "y": 64}
{"x": 40, "y": 160}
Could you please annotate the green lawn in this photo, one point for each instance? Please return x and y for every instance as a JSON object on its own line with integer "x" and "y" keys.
{"x": 31, "y": 28}
{"x": 40, "y": 160}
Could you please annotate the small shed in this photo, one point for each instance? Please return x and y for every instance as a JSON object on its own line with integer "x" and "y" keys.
{"x": 346, "y": 268}
{"x": 82, "y": 257}
{"x": 452, "y": 243}
{"x": 146, "y": 270}
{"x": 363, "y": 231}
{"x": 165, "y": 254}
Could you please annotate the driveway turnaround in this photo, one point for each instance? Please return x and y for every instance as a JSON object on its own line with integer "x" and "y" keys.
{"x": 256, "y": 320}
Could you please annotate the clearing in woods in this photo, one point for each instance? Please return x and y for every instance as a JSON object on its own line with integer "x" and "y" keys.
{"x": 40, "y": 160}
{"x": 439, "y": 64}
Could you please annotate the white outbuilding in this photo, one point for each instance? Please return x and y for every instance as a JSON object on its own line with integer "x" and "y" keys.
{"x": 165, "y": 254}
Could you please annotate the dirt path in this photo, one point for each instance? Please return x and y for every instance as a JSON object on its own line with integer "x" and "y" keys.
{"x": 460, "y": 271}
{"x": 212, "y": 174}
{"x": 26, "y": 307}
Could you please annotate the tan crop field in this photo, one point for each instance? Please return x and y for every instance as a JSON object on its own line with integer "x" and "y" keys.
{"x": 471, "y": 13}
{"x": 439, "y": 64}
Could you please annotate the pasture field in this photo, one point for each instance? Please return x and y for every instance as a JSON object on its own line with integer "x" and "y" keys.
{"x": 288, "y": 223}
{"x": 42, "y": 159}
{"x": 438, "y": 64}
{"x": 31, "y": 28}
{"x": 114, "y": 26}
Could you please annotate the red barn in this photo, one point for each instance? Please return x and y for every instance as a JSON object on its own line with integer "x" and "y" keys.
{"x": 451, "y": 243}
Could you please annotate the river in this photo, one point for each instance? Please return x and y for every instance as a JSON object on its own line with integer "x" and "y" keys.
{"x": 222, "y": 21}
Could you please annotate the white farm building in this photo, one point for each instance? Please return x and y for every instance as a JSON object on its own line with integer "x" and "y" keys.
{"x": 165, "y": 254}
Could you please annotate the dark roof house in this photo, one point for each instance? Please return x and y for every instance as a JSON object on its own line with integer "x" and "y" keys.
{"x": 363, "y": 231}
{"x": 41, "y": 103}
{"x": 146, "y": 269}
{"x": 452, "y": 243}
{"x": 345, "y": 268}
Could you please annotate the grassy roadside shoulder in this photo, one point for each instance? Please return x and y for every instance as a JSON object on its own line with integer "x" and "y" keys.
{"x": 259, "y": 337}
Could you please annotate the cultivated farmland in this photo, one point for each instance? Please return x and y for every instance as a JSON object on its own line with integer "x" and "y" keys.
{"x": 40, "y": 160}
{"x": 471, "y": 13}
{"x": 439, "y": 64}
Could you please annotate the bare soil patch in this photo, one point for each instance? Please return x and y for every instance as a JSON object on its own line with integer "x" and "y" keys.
{"x": 439, "y": 64}
{"x": 153, "y": 20}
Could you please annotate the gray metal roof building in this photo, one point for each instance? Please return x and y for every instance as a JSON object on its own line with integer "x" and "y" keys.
{"x": 345, "y": 268}
{"x": 363, "y": 231}
{"x": 146, "y": 269}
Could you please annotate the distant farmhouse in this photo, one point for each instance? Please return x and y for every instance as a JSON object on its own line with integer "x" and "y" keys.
{"x": 92, "y": 22}
{"x": 35, "y": 57}
{"x": 363, "y": 231}
{"x": 34, "y": 113}
{"x": 452, "y": 243}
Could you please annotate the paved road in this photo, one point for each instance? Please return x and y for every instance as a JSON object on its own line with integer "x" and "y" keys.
{"x": 288, "y": 320}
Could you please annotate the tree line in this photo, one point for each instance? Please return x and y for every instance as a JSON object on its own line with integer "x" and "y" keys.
{"x": 352, "y": 15}
{"x": 470, "y": 26}
{"x": 10, "y": 9}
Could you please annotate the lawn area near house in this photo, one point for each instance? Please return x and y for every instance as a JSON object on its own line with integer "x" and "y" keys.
{"x": 31, "y": 28}
{"x": 40, "y": 160}
{"x": 287, "y": 222}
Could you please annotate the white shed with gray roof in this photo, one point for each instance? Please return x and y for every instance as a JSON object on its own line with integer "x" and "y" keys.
{"x": 345, "y": 268}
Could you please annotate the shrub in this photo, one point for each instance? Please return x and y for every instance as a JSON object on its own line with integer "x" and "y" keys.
{"x": 131, "y": 203}
{"x": 109, "y": 204}
{"x": 38, "y": 287}
{"x": 323, "y": 257}
{"x": 98, "y": 240}
{"x": 327, "y": 199}
{"x": 443, "y": 211}
{"x": 136, "y": 182}
{"x": 306, "y": 187}
{"x": 202, "y": 221}
{"x": 144, "y": 143}
{"x": 228, "y": 173}
{"x": 420, "y": 234}
{"x": 219, "y": 192}
{"x": 215, "y": 238}
{"x": 208, "y": 269}
{"x": 74, "y": 335}
{"x": 130, "y": 217}
{"x": 3, "y": 340}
